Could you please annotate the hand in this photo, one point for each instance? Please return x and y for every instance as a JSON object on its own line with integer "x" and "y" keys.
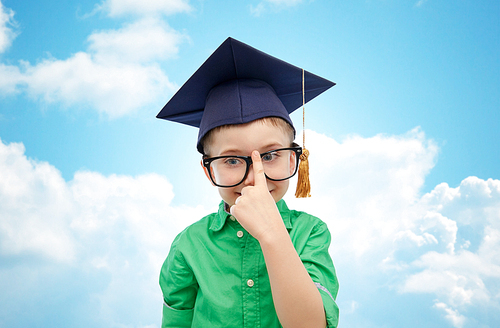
{"x": 256, "y": 209}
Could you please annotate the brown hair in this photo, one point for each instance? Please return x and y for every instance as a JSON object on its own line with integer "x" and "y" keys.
{"x": 274, "y": 121}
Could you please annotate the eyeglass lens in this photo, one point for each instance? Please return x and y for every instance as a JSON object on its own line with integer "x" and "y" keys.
{"x": 278, "y": 165}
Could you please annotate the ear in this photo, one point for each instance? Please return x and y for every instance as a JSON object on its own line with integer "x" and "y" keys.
{"x": 206, "y": 172}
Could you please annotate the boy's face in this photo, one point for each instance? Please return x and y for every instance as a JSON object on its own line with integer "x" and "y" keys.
{"x": 242, "y": 140}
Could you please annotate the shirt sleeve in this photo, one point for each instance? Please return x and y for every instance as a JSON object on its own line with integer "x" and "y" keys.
{"x": 319, "y": 265}
{"x": 179, "y": 288}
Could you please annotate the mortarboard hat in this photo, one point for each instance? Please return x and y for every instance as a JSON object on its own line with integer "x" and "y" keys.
{"x": 239, "y": 84}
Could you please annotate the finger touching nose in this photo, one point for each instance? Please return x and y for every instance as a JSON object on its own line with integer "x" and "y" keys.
{"x": 258, "y": 169}
{"x": 250, "y": 179}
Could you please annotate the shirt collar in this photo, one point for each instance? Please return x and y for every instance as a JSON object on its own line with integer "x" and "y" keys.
{"x": 223, "y": 215}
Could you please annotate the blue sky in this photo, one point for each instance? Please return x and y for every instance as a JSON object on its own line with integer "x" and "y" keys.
{"x": 404, "y": 152}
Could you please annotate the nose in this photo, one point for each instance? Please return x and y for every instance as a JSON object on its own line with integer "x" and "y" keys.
{"x": 249, "y": 180}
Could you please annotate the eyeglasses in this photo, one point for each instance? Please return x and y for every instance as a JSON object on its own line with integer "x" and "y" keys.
{"x": 230, "y": 171}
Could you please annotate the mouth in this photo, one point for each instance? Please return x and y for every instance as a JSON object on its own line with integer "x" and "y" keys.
{"x": 238, "y": 194}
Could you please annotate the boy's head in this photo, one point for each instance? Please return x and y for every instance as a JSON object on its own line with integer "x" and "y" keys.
{"x": 241, "y": 98}
{"x": 228, "y": 148}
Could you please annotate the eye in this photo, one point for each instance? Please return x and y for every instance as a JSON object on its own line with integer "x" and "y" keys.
{"x": 269, "y": 157}
{"x": 233, "y": 161}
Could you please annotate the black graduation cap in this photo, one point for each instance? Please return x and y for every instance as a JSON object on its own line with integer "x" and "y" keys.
{"x": 239, "y": 84}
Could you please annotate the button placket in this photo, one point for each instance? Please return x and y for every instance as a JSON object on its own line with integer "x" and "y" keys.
{"x": 250, "y": 282}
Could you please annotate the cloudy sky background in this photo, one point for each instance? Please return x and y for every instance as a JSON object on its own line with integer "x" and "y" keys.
{"x": 404, "y": 152}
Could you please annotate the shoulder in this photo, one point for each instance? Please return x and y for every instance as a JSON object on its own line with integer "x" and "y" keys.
{"x": 294, "y": 219}
{"x": 196, "y": 230}
{"x": 308, "y": 231}
{"x": 303, "y": 219}
{"x": 304, "y": 216}
{"x": 185, "y": 243}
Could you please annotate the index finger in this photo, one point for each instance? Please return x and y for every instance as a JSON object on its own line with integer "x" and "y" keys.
{"x": 258, "y": 169}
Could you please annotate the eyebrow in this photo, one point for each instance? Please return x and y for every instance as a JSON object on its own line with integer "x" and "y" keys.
{"x": 268, "y": 147}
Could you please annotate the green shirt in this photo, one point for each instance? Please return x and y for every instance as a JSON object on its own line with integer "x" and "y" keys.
{"x": 215, "y": 274}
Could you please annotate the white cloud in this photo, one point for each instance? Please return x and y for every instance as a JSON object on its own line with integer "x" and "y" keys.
{"x": 142, "y": 41}
{"x": 118, "y": 75}
{"x": 114, "y": 89}
{"x": 41, "y": 211}
{"x": 150, "y": 7}
{"x": 445, "y": 243}
{"x": 456, "y": 319}
{"x": 369, "y": 185}
{"x": 114, "y": 229}
{"x": 265, "y": 5}
{"x": 10, "y": 78}
{"x": 7, "y": 25}
{"x": 258, "y": 9}
{"x": 36, "y": 193}
{"x": 463, "y": 269}
{"x": 418, "y": 240}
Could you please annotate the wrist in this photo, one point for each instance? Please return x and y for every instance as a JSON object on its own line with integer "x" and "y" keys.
{"x": 277, "y": 236}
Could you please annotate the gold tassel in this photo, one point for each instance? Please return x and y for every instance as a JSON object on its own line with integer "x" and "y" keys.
{"x": 303, "y": 185}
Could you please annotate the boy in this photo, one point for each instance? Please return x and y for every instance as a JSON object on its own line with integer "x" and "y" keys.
{"x": 254, "y": 263}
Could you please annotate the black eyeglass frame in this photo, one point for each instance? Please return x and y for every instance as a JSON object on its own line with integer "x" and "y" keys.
{"x": 248, "y": 159}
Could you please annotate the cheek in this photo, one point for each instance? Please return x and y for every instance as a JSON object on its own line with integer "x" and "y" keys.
{"x": 279, "y": 188}
{"x": 227, "y": 194}
{"x": 285, "y": 185}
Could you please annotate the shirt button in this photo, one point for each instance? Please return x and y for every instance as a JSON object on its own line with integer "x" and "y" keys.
{"x": 232, "y": 218}
{"x": 250, "y": 283}
{"x": 239, "y": 234}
